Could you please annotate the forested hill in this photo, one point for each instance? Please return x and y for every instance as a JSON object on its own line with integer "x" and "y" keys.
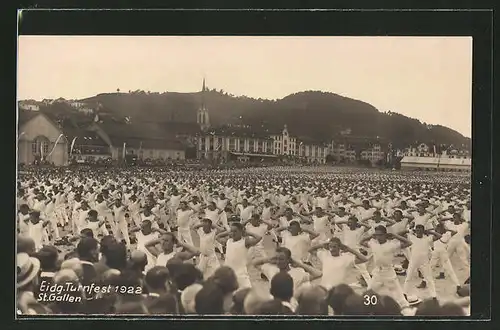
{"x": 313, "y": 114}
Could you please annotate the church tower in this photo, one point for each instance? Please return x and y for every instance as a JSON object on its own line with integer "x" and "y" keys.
{"x": 202, "y": 117}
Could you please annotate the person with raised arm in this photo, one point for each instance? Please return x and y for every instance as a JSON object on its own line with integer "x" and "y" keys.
{"x": 282, "y": 261}
{"x": 420, "y": 252}
{"x": 171, "y": 248}
{"x": 335, "y": 264}
{"x": 207, "y": 232}
{"x": 237, "y": 250}
{"x": 351, "y": 235}
{"x": 383, "y": 247}
{"x": 297, "y": 239}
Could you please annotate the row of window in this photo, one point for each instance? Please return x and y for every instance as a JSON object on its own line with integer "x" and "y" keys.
{"x": 38, "y": 145}
{"x": 151, "y": 153}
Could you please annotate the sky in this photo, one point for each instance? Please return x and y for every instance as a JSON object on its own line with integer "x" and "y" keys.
{"x": 428, "y": 78}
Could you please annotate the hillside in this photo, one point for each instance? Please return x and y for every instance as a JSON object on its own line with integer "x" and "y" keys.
{"x": 312, "y": 114}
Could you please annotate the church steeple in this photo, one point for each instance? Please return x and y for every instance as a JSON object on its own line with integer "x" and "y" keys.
{"x": 202, "y": 117}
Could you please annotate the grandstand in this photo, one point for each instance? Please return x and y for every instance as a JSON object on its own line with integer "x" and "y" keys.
{"x": 446, "y": 164}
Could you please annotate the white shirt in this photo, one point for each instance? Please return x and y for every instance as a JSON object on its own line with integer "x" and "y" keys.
{"x": 422, "y": 219}
{"x": 466, "y": 215}
{"x": 102, "y": 208}
{"x": 163, "y": 258}
{"x": 398, "y": 227}
{"x": 334, "y": 268}
{"x": 39, "y": 206}
{"x": 351, "y": 238}
{"x": 221, "y": 204}
{"x": 35, "y": 232}
{"x": 212, "y": 215}
{"x": 119, "y": 213}
{"x": 134, "y": 207}
{"x": 299, "y": 275}
{"x": 284, "y": 222}
{"x": 184, "y": 218}
{"x": 23, "y": 223}
{"x": 207, "y": 242}
{"x": 175, "y": 201}
{"x": 195, "y": 207}
{"x": 383, "y": 254}
{"x": 364, "y": 213}
{"x": 236, "y": 256}
{"x": 266, "y": 213}
{"x": 321, "y": 202}
{"x": 142, "y": 240}
{"x": 321, "y": 224}
{"x": 421, "y": 247}
{"x": 49, "y": 208}
{"x": 260, "y": 231}
{"x": 298, "y": 245}
{"x": 295, "y": 207}
{"x": 82, "y": 218}
{"x": 461, "y": 230}
{"x": 245, "y": 212}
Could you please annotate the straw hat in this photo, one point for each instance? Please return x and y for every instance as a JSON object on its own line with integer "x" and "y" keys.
{"x": 27, "y": 269}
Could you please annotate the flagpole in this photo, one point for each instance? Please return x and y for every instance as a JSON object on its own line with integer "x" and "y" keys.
{"x": 71, "y": 148}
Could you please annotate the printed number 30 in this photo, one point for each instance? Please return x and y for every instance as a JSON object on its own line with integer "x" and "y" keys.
{"x": 370, "y": 300}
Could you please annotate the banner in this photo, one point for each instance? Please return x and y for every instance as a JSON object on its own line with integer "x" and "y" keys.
{"x": 41, "y": 150}
{"x": 55, "y": 144}
{"x": 124, "y": 150}
{"x": 72, "y": 145}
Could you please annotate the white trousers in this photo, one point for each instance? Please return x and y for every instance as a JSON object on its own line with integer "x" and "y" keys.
{"x": 461, "y": 249}
{"x": 208, "y": 264}
{"x": 120, "y": 231}
{"x": 184, "y": 235}
{"x": 363, "y": 270}
{"x": 385, "y": 282}
{"x": 53, "y": 225}
{"x": 425, "y": 269}
{"x": 61, "y": 216}
{"x": 441, "y": 258}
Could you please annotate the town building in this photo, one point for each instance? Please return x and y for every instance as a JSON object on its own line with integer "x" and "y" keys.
{"x": 350, "y": 148}
{"x": 432, "y": 150}
{"x": 146, "y": 140}
{"x": 40, "y": 138}
{"x": 235, "y": 142}
{"x": 310, "y": 151}
{"x": 30, "y": 105}
{"x": 284, "y": 144}
{"x": 374, "y": 154}
{"x": 245, "y": 143}
{"x": 86, "y": 111}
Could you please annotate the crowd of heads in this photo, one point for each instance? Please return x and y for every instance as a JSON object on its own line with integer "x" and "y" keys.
{"x": 115, "y": 284}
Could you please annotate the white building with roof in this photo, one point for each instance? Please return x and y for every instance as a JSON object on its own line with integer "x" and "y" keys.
{"x": 445, "y": 164}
